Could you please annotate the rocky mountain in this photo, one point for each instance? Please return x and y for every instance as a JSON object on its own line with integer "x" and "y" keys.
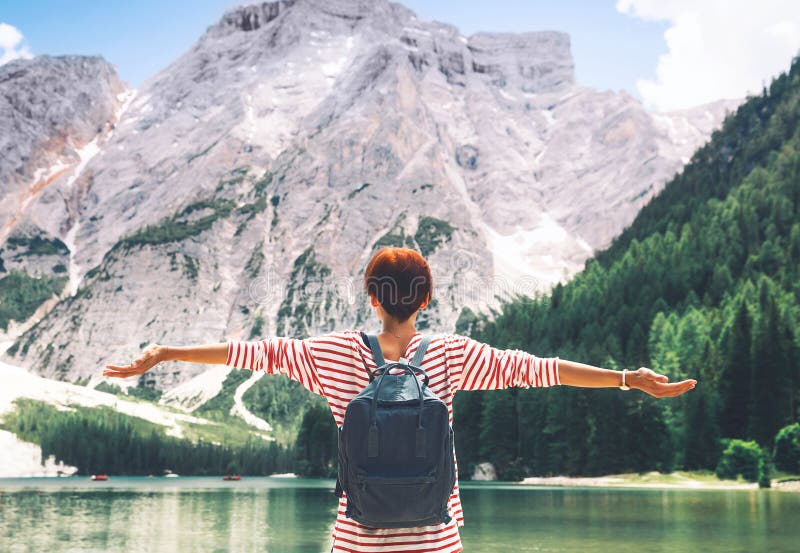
{"x": 241, "y": 190}
{"x": 51, "y": 109}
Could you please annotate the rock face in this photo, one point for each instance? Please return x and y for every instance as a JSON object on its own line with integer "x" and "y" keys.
{"x": 50, "y": 109}
{"x": 485, "y": 472}
{"x": 528, "y": 62}
{"x": 245, "y": 186}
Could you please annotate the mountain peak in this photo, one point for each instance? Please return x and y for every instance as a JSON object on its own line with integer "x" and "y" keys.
{"x": 254, "y": 16}
{"x": 251, "y": 17}
{"x": 542, "y": 60}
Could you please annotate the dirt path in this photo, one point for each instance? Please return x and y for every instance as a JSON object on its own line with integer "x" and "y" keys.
{"x": 239, "y": 408}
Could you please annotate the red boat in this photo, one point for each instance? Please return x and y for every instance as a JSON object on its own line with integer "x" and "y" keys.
{"x": 232, "y": 477}
{"x": 99, "y": 477}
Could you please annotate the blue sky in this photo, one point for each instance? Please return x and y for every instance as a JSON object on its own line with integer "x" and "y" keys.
{"x": 645, "y": 47}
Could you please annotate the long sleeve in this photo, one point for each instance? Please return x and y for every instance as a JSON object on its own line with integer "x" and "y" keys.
{"x": 278, "y": 355}
{"x": 480, "y": 366}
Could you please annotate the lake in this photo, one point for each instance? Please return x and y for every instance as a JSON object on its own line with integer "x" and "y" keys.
{"x": 281, "y": 514}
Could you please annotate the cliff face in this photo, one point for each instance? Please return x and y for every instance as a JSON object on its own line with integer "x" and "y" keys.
{"x": 245, "y": 186}
{"x": 50, "y": 109}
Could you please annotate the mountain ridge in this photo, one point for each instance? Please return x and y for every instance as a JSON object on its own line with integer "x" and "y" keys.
{"x": 245, "y": 185}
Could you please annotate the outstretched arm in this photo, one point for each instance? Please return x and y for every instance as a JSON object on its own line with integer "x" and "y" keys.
{"x": 587, "y": 376}
{"x": 483, "y": 367}
{"x": 154, "y": 354}
{"x": 292, "y": 357}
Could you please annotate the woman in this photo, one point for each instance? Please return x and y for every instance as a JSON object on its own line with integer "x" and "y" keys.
{"x": 398, "y": 282}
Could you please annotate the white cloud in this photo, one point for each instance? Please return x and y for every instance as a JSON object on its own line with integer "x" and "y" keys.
{"x": 11, "y": 45}
{"x": 717, "y": 48}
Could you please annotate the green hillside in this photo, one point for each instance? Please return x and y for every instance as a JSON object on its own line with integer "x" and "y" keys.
{"x": 103, "y": 440}
{"x": 704, "y": 284}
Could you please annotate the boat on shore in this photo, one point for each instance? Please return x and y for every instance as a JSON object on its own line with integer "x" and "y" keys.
{"x": 99, "y": 477}
{"x": 235, "y": 477}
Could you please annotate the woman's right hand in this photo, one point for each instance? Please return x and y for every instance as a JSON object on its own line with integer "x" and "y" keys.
{"x": 151, "y": 356}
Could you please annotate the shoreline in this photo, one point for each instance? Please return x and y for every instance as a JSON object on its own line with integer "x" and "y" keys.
{"x": 656, "y": 480}
{"x": 652, "y": 480}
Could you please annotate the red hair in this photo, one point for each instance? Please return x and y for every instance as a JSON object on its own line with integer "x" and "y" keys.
{"x": 400, "y": 279}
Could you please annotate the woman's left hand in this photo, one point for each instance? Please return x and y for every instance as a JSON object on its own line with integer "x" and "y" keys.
{"x": 657, "y": 385}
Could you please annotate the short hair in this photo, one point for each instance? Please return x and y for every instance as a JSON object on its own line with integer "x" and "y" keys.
{"x": 400, "y": 279}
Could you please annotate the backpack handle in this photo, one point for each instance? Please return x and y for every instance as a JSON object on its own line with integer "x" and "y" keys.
{"x": 374, "y": 407}
{"x": 372, "y": 439}
{"x": 392, "y": 364}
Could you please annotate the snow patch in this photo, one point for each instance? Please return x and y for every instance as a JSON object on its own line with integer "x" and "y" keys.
{"x": 519, "y": 264}
{"x": 141, "y": 100}
{"x": 506, "y": 95}
{"x": 539, "y": 156}
{"x": 16, "y": 382}
{"x": 333, "y": 68}
{"x": 74, "y": 268}
{"x": 85, "y": 154}
{"x": 46, "y": 173}
{"x": 5, "y": 345}
{"x": 250, "y": 118}
{"x": 23, "y": 459}
{"x": 195, "y": 392}
{"x": 127, "y": 99}
{"x": 418, "y": 31}
{"x": 585, "y": 245}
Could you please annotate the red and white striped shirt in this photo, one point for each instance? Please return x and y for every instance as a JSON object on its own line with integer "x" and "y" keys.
{"x": 332, "y": 365}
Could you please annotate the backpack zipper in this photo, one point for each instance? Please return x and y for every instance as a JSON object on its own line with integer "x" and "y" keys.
{"x": 406, "y": 480}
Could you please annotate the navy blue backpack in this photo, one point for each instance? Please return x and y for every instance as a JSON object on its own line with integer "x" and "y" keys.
{"x": 396, "y": 461}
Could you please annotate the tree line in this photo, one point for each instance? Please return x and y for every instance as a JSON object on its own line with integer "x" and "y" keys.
{"x": 704, "y": 284}
{"x": 101, "y": 440}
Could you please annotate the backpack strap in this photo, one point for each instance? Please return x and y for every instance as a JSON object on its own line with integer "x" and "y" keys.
{"x": 375, "y": 346}
{"x": 377, "y": 354}
{"x": 421, "y": 349}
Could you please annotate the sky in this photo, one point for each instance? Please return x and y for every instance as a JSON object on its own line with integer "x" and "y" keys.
{"x": 670, "y": 54}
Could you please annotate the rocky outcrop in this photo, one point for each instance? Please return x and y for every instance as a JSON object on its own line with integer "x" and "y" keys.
{"x": 252, "y": 18}
{"x": 530, "y": 62}
{"x": 50, "y": 108}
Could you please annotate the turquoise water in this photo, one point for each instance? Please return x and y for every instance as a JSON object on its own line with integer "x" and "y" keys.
{"x": 276, "y": 515}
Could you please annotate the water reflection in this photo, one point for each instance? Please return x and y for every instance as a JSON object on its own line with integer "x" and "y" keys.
{"x": 274, "y": 515}
{"x": 629, "y": 520}
{"x": 167, "y": 519}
